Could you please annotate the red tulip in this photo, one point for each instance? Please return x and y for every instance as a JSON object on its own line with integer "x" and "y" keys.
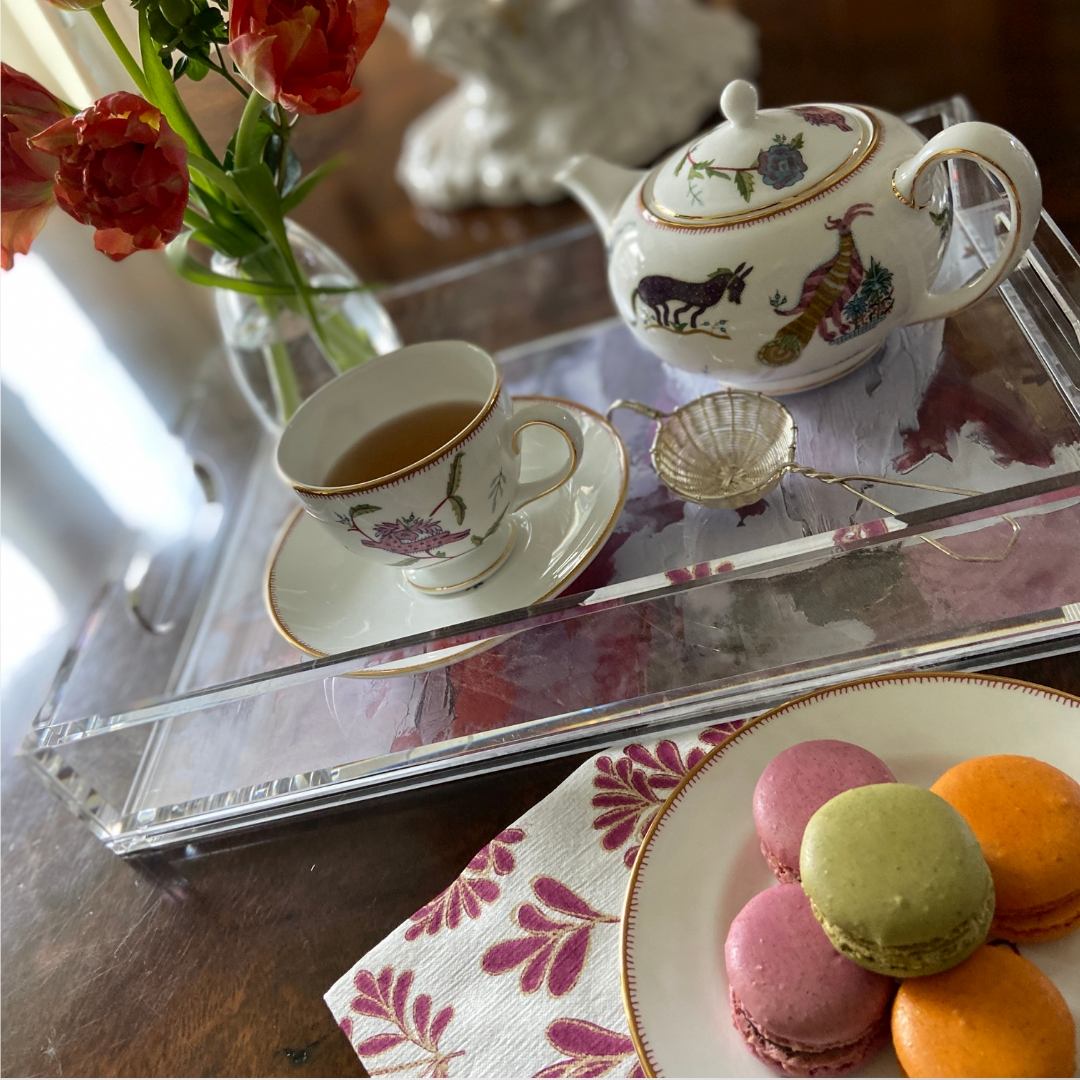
{"x": 26, "y": 175}
{"x": 303, "y": 54}
{"x": 122, "y": 170}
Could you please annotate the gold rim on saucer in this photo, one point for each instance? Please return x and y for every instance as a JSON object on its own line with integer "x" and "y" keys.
{"x": 475, "y": 649}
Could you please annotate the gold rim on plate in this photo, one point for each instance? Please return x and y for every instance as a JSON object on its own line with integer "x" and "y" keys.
{"x": 625, "y": 975}
{"x": 480, "y": 646}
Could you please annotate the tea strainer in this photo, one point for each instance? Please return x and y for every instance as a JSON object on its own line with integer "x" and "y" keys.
{"x": 731, "y": 448}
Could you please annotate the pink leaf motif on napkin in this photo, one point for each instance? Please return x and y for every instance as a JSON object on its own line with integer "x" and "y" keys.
{"x": 385, "y": 998}
{"x": 718, "y": 733}
{"x": 591, "y": 1050}
{"x": 633, "y": 787}
{"x": 465, "y": 897}
{"x": 553, "y": 951}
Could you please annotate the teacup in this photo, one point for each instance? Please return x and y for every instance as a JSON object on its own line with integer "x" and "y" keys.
{"x": 445, "y": 520}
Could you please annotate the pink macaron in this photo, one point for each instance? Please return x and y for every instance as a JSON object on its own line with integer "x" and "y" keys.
{"x": 800, "y": 1005}
{"x": 796, "y": 783}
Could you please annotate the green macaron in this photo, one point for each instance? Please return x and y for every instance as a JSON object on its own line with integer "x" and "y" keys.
{"x": 897, "y": 880}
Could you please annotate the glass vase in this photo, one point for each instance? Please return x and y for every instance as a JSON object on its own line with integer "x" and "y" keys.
{"x": 276, "y": 353}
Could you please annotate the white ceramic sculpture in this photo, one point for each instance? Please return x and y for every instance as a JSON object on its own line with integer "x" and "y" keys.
{"x": 543, "y": 79}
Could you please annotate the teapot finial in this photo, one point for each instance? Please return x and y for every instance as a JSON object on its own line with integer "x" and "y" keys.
{"x": 739, "y": 102}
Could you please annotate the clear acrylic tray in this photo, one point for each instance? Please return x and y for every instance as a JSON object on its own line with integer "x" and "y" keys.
{"x": 180, "y": 714}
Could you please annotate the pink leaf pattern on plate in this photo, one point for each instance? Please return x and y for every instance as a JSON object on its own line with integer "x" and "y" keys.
{"x": 590, "y": 1050}
{"x": 465, "y": 897}
{"x": 633, "y": 787}
{"x": 384, "y": 997}
{"x": 554, "y": 950}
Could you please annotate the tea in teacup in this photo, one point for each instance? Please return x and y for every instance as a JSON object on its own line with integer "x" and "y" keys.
{"x": 401, "y": 442}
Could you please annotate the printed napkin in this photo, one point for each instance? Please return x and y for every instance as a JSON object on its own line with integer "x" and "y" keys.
{"x": 514, "y": 969}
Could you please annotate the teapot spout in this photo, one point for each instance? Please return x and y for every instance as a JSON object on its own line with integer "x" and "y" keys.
{"x": 599, "y": 186}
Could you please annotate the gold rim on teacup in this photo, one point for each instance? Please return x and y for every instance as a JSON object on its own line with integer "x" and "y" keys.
{"x": 407, "y": 470}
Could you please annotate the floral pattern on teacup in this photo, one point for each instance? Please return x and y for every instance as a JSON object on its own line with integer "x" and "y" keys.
{"x": 411, "y": 535}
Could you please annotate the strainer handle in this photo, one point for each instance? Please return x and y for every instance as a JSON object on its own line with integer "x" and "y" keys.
{"x": 855, "y": 478}
{"x": 847, "y": 482}
{"x": 638, "y": 407}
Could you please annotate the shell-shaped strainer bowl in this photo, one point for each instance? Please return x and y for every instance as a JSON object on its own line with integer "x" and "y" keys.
{"x": 727, "y": 449}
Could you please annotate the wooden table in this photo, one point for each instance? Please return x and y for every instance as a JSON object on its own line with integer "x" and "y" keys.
{"x": 217, "y": 964}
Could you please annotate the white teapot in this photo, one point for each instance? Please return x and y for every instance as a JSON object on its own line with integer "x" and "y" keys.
{"x": 777, "y": 251}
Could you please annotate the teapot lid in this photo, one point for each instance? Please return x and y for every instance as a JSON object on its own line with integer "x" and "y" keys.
{"x": 758, "y": 161}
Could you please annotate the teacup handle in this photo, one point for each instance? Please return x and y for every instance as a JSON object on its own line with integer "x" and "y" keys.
{"x": 1006, "y": 158}
{"x": 552, "y": 415}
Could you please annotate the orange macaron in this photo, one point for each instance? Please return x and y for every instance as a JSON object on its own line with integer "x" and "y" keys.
{"x": 1026, "y": 816}
{"x": 996, "y": 1014}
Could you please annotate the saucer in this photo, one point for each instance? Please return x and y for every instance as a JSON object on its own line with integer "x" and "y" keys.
{"x": 324, "y": 600}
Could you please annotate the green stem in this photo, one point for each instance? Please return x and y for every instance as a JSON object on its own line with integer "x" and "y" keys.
{"x": 283, "y": 382}
{"x": 248, "y": 149}
{"x": 283, "y": 165}
{"x": 350, "y": 344}
{"x": 215, "y": 234}
{"x": 307, "y": 298}
{"x": 223, "y": 68}
{"x": 123, "y": 54}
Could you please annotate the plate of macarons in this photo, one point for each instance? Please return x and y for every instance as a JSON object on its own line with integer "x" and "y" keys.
{"x": 881, "y": 878}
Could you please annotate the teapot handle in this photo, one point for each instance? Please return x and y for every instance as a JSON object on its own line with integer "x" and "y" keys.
{"x": 1001, "y": 154}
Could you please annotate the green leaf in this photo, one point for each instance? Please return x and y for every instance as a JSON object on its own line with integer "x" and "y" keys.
{"x": 196, "y": 69}
{"x": 744, "y": 181}
{"x": 455, "y": 474}
{"x": 407, "y": 561}
{"x": 797, "y": 142}
{"x": 477, "y": 540}
{"x": 283, "y": 162}
{"x": 187, "y": 266}
{"x": 216, "y": 175}
{"x": 176, "y": 12}
{"x": 164, "y": 93}
{"x": 305, "y": 187}
{"x": 458, "y": 505}
{"x": 682, "y": 161}
{"x": 256, "y": 185}
{"x": 208, "y": 232}
{"x": 362, "y": 508}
